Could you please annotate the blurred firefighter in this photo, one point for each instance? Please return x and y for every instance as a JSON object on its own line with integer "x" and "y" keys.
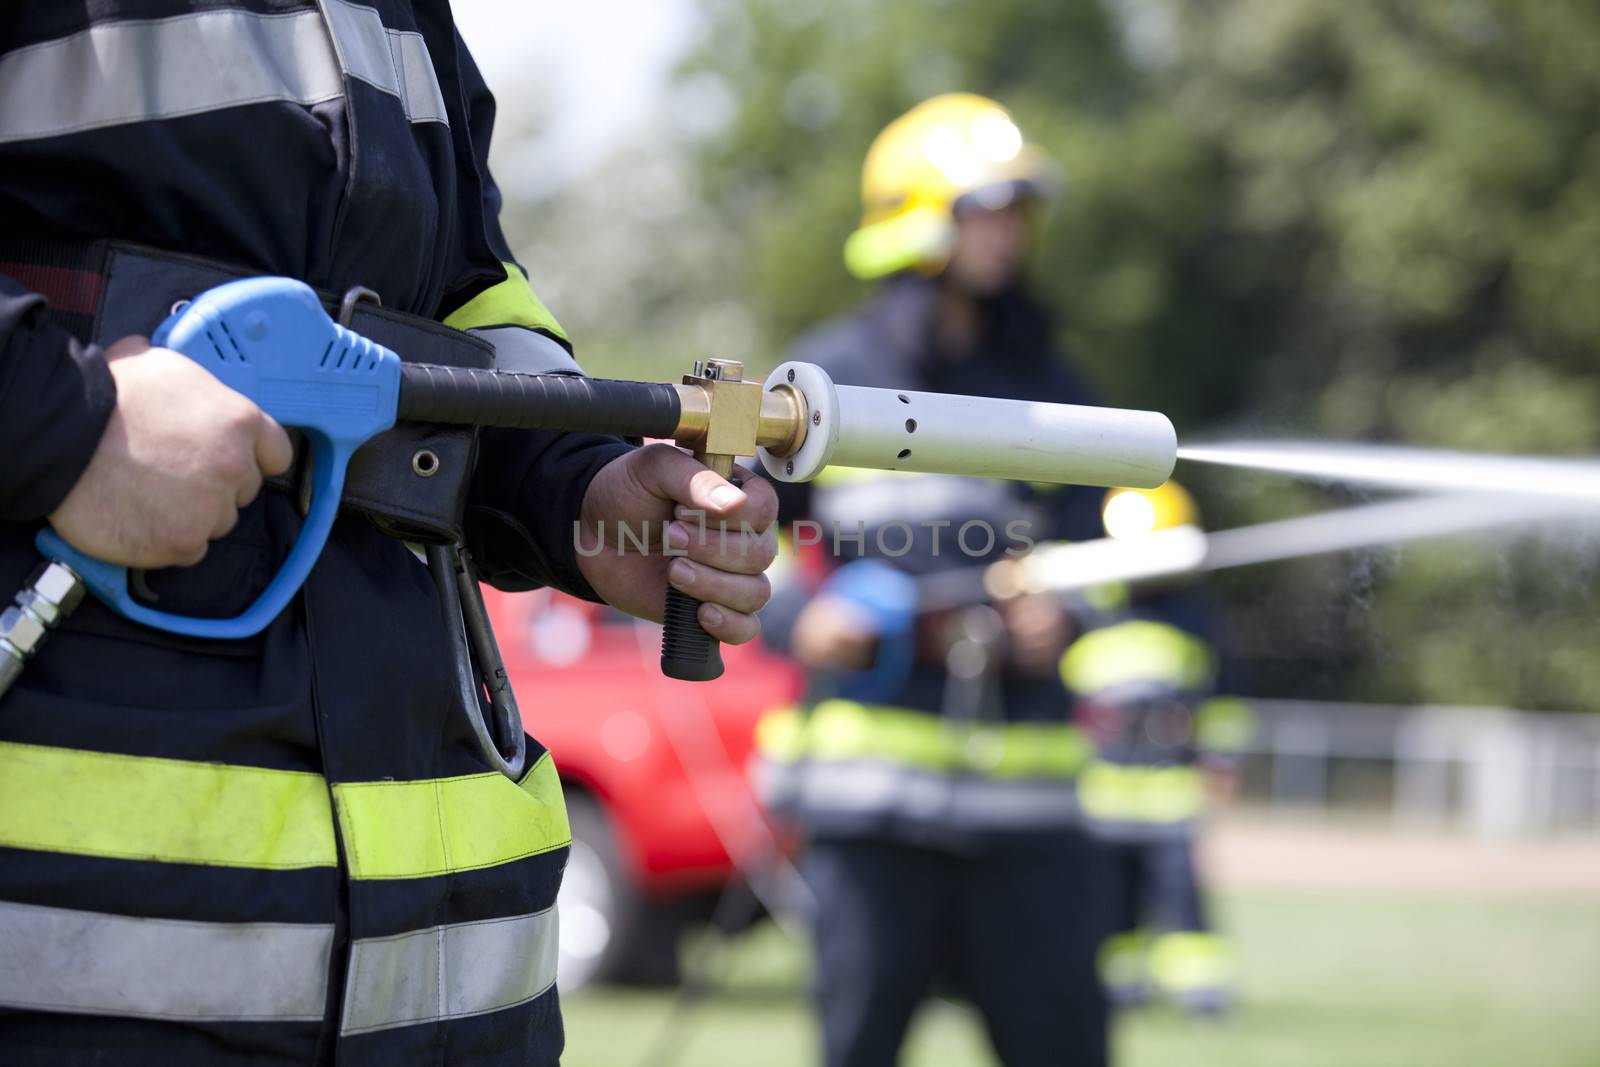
{"x": 1146, "y": 676}
{"x": 933, "y": 765}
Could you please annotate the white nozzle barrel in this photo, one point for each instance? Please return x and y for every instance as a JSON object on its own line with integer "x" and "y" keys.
{"x": 944, "y": 433}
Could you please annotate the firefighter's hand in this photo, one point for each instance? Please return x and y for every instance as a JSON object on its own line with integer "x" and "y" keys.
{"x": 181, "y": 454}
{"x": 725, "y": 539}
{"x": 1039, "y": 630}
{"x": 832, "y": 634}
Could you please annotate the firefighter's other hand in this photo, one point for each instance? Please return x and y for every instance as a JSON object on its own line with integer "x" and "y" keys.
{"x": 1039, "y": 630}
{"x": 181, "y": 454}
{"x": 723, "y": 537}
{"x": 833, "y": 634}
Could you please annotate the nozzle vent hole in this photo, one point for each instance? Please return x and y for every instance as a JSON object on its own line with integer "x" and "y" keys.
{"x": 903, "y": 398}
{"x": 911, "y": 426}
{"x": 904, "y": 453}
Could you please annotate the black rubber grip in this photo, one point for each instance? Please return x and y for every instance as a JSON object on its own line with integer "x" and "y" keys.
{"x": 687, "y": 651}
{"x": 468, "y": 396}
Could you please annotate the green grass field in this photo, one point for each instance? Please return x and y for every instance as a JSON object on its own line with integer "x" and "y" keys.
{"x": 1346, "y": 980}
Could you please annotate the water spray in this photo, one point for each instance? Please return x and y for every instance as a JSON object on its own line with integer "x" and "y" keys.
{"x": 1065, "y": 568}
{"x": 1409, "y": 468}
{"x": 1469, "y": 493}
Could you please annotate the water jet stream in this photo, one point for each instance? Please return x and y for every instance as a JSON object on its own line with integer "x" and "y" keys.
{"x": 1187, "y": 550}
{"x": 1408, "y": 468}
{"x": 1461, "y": 493}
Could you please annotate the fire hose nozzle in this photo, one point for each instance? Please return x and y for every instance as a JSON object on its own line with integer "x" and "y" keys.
{"x": 944, "y": 433}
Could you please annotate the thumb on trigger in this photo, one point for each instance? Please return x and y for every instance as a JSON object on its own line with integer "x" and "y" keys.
{"x": 711, "y": 491}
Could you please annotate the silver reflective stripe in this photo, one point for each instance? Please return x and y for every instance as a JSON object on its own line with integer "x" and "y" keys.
{"x": 1127, "y": 831}
{"x": 449, "y": 972}
{"x": 889, "y": 496}
{"x": 520, "y": 349}
{"x": 142, "y": 70}
{"x": 122, "y": 72}
{"x": 967, "y": 802}
{"x": 419, "y": 85}
{"x": 56, "y": 959}
{"x": 394, "y": 61}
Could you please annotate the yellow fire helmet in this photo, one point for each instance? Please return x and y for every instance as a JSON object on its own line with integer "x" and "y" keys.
{"x": 1129, "y": 513}
{"x": 956, "y": 147}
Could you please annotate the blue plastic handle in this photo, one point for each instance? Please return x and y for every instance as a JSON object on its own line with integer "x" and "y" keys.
{"x": 269, "y": 339}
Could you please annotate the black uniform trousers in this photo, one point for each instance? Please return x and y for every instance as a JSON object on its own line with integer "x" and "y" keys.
{"x": 1154, "y": 884}
{"x": 1014, "y": 930}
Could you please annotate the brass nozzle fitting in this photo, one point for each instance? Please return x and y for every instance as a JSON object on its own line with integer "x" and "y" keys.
{"x": 722, "y": 416}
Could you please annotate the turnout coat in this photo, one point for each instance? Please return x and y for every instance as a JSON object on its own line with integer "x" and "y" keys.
{"x": 284, "y": 848}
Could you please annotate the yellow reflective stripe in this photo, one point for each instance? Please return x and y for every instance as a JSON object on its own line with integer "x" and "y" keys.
{"x": 439, "y": 826}
{"x": 1107, "y": 598}
{"x": 508, "y": 303}
{"x": 164, "y": 810}
{"x": 1186, "y": 961}
{"x": 1224, "y": 724}
{"x": 1137, "y": 651}
{"x": 845, "y": 730}
{"x": 835, "y": 475}
{"x": 780, "y": 735}
{"x": 1114, "y": 792}
{"x": 1030, "y": 750}
{"x": 1122, "y": 958}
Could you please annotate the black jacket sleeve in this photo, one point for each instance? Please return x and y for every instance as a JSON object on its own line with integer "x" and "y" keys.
{"x": 529, "y": 484}
{"x": 55, "y": 398}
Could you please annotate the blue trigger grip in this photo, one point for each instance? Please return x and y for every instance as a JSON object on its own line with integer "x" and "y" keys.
{"x": 270, "y": 340}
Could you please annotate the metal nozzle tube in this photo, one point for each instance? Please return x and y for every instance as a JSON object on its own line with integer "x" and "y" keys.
{"x": 944, "y": 433}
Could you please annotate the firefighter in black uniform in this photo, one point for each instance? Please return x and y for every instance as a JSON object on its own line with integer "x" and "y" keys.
{"x": 1146, "y": 674}
{"x": 933, "y": 765}
{"x": 289, "y": 848}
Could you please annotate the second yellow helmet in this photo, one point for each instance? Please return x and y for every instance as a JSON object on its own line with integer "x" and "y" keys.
{"x": 1136, "y": 512}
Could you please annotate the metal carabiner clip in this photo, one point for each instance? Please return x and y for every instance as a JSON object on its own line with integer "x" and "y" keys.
{"x": 474, "y": 654}
{"x": 476, "y": 658}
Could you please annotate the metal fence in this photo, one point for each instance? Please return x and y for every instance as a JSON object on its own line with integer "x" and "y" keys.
{"x": 1493, "y": 773}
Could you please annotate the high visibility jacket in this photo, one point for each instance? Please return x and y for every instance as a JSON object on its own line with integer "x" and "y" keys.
{"x": 915, "y": 762}
{"x": 1147, "y": 691}
{"x": 285, "y": 848}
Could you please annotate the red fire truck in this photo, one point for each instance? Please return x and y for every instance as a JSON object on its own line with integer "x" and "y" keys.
{"x": 653, "y": 770}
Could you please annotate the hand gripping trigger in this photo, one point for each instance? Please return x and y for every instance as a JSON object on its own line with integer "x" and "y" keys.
{"x": 269, "y": 339}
